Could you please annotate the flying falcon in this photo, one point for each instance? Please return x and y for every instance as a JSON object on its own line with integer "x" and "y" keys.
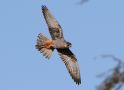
{"x": 47, "y": 46}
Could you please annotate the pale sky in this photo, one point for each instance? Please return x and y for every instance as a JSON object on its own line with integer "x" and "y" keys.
{"x": 94, "y": 28}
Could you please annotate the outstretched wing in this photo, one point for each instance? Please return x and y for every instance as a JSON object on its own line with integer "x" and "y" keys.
{"x": 71, "y": 63}
{"x": 54, "y": 27}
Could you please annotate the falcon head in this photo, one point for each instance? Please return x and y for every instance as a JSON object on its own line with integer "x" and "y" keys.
{"x": 68, "y": 44}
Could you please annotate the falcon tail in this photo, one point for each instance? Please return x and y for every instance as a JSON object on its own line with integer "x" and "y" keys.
{"x": 44, "y": 45}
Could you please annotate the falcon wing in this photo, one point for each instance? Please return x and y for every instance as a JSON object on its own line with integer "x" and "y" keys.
{"x": 54, "y": 27}
{"x": 71, "y": 64}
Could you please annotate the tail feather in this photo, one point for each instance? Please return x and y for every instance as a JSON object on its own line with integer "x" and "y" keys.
{"x": 47, "y": 52}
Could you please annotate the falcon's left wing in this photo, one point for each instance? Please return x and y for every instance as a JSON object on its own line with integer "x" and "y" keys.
{"x": 54, "y": 27}
{"x": 71, "y": 63}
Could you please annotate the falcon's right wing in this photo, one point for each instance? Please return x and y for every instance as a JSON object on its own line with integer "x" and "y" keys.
{"x": 71, "y": 63}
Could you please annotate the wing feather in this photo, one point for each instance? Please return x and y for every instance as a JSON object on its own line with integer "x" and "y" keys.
{"x": 71, "y": 64}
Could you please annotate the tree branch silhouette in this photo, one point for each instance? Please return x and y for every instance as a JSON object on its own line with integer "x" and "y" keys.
{"x": 116, "y": 78}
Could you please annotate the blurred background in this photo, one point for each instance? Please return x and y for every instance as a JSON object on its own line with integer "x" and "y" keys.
{"x": 94, "y": 28}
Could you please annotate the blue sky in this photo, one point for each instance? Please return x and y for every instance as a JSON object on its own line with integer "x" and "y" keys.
{"x": 94, "y": 28}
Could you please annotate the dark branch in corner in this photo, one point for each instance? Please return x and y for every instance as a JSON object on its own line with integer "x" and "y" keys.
{"x": 116, "y": 78}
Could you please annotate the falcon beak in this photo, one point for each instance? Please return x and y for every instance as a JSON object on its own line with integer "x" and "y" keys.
{"x": 65, "y": 46}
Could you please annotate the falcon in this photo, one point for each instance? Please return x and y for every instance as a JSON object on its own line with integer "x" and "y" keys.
{"x": 46, "y": 46}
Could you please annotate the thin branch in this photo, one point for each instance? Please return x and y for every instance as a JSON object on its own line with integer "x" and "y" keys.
{"x": 115, "y": 78}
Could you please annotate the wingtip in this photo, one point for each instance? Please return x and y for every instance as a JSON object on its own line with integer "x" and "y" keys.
{"x": 44, "y": 7}
{"x": 78, "y": 82}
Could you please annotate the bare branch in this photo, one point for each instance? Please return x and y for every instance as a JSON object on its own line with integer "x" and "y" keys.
{"x": 116, "y": 78}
